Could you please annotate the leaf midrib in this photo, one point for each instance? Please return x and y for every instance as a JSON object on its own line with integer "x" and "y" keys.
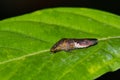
{"x": 42, "y": 51}
{"x": 24, "y": 56}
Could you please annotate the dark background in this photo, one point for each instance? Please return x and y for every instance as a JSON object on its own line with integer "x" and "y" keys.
{"x": 10, "y": 8}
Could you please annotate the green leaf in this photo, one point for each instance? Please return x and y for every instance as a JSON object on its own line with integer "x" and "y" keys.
{"x": 25, "y": 42}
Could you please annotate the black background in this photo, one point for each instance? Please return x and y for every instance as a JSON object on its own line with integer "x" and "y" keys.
{"x": 10, "y": 8}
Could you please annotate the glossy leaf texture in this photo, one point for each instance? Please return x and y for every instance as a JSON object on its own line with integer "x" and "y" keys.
{"x": 25, "y": 42}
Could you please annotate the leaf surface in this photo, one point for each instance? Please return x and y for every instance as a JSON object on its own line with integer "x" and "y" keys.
{"x": 25, "y": 42}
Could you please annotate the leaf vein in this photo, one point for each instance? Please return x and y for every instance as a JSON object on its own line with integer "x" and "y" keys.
{"x": 24, "y": 56}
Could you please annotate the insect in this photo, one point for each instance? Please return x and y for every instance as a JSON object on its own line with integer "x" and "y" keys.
{"x": 67, "y": 44}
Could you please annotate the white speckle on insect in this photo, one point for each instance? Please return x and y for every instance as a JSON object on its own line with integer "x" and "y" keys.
{"x": 77, "y": 45}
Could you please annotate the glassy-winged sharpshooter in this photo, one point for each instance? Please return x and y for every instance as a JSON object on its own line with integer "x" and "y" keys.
{"x": 67, "y": 44}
